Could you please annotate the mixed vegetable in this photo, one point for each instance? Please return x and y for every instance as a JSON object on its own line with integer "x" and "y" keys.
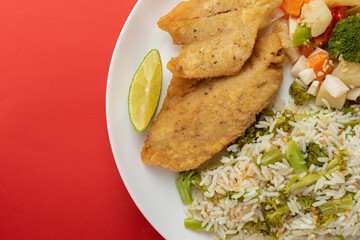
{"x": 322, "y": 38}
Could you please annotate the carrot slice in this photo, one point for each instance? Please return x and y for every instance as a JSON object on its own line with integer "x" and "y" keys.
{"x": 306, "y": 50}
{"x": 317, "y": 61}
{"x": 320, "y": 64}
{"x": 291, "y": 7}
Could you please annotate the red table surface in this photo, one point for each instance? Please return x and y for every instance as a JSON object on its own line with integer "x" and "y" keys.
{"x": 57, "y": 173}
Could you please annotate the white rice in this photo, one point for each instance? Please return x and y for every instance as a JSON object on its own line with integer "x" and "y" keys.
{"x": 253, "y": 183}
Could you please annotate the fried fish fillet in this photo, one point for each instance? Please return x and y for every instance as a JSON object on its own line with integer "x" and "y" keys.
{"x": 190, "y": 13}
{"x": 217, "y": 36}
{"x": 222, "y": 50}
{"x": 198, "y": 119}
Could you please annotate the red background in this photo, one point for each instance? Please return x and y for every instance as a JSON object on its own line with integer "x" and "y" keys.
{"x": 57, "y": 174}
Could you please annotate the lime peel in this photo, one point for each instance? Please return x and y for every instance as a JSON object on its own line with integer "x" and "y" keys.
{"x": 144, "y": 92}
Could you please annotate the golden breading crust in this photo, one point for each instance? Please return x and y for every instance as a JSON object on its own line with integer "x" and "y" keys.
{"x": 195, "y": 9}
{"x": 217, "y": 36}
{"x": 198, "y": 119}
{"x": 222, "y": 50}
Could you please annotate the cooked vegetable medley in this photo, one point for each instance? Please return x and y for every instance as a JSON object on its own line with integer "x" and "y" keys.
{"x": 325, "y": 50}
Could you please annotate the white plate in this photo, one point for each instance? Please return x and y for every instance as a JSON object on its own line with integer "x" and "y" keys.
{"x": 152, "y": 189}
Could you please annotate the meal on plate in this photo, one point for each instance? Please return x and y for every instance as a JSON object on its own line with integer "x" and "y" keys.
{"x": 293, "y": 167}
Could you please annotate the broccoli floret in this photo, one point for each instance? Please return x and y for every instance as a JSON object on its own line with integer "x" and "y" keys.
{"x": 272, "y": 204}
{"x": 344, "y": 152}
{"x": 347, "y": 109}
{"x": 329, "y": 210}
{"x": 296, "y": 183}
{"x": 183, "y": 184}
{"x": 298, "y": 93}
{"x": 230, "y": 194}
{"x": 335, "y": 206}
{"x": 259, "y": 227}
{"x": 337, "y": 164}
{"x": 306, "y": 202}
{"x": 301, "y": 116}
{"x": 345, "y": 39}
{"x": 193, "y": 224}
{"x": 271, "y": 157}
{"x": 314, "y": 152}
{"x": 324, "y": 220}
{"x": 276, "y": 217}
{"x": 214, "y": 165}
{"x": 352, "y": 123}
{"x": 283, "y": 121}
{"x": 196, "y": 180}
{"x": 267, "y": 112}
{"x": 294, "y": 156}
{"x": 275, "y": 211}
{"x": 251, "y": 134}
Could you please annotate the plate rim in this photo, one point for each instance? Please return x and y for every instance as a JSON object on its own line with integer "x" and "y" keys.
{"x": 120, "y": 38}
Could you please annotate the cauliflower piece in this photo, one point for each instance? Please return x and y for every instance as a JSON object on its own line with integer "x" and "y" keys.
{"x": 353, "y": 94}
{"x": 317, "y": 16}
{"x": 335, "y": 86}
{"x": 307, "y": 76}
{"x": 349, "y": 73}
{"x": 298, "y": 66}
{"x": 314, "y": 88}
{"x": 323, "y": 94}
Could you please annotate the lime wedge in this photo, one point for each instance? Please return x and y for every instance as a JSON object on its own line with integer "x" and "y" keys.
{"x": 145, "y": 90}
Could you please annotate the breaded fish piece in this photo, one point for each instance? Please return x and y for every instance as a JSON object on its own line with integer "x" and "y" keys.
{"x": 217, "y": 36}
{"x": 222, "y": 50}
{"x": 194, "y": 10}
{"x": 198, "y": 119}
